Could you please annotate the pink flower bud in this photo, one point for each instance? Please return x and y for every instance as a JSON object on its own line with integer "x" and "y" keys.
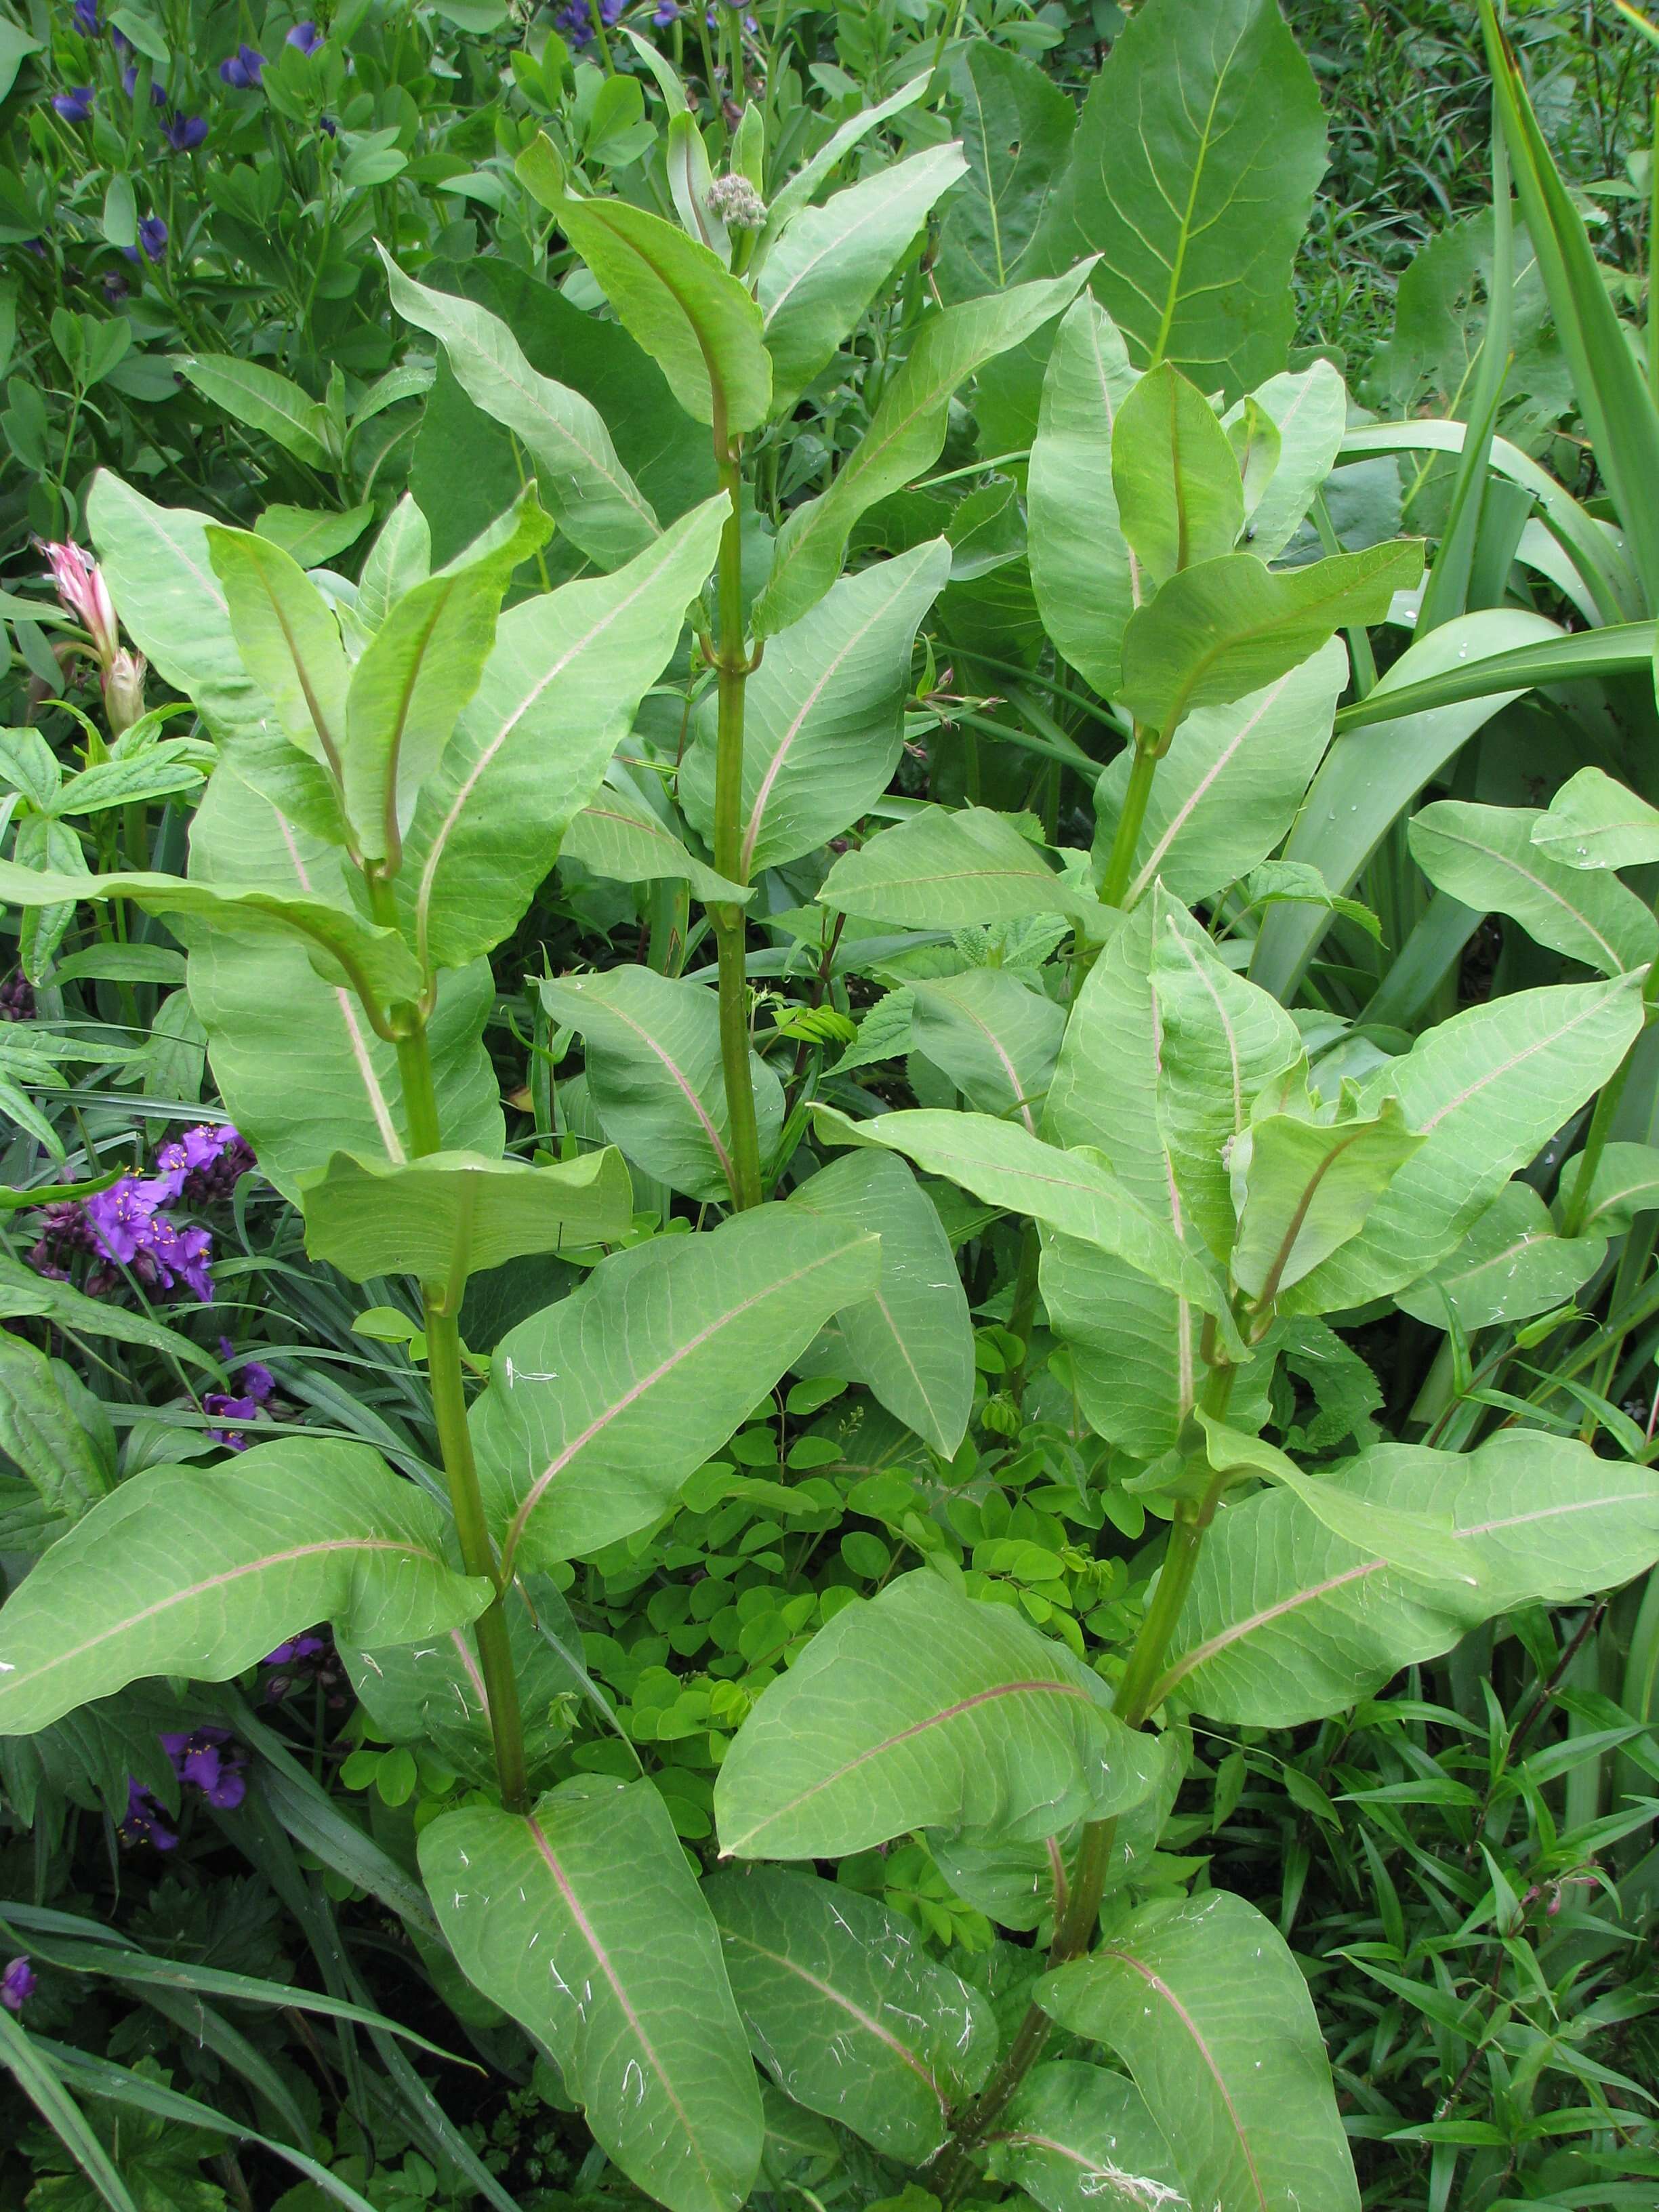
{"x": 124, "y": 689}
{"x": 80, "y": 587}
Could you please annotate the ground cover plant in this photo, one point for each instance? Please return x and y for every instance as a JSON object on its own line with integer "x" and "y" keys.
{"x": 829, "y": 1371}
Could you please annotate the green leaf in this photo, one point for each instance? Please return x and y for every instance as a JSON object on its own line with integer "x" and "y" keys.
{"x": 831, "y": 261}
{"x": 692, "y": 315}
{"x": 787, "y": 202}
{"x": 24, "y": 1292}
{"x": 1483, "y": 657}
{"x": 1486, "y": 1089}
{"x": 416, "y": 676}
{"x": 288, "y": 639}
{"x": 593, "y": 498}
{"x": 42, "y": 2085}
{"x": 824, "y": 713}
{"x": 1593, "y": 823}
{"x": 911, "y": 1342}
{"x": 1309, "y": 1187}
{"x": 1625, "y": 1184}
{"x": 923, "y": 1709}
{"x": 1079, "y": 2139}
{"x": 1309, "y": 409}
{"x": 1179, "y": 498}
{"x": 272, "y": 404}
{"x": 653, "y": 1057}
{"x": 42, "y": 1434}
{"x": 994, "y": 1036}
{"x": 1287, "y": 1622}
{"x": 1368, "y": 779}
{"x": 905, "y": 436}
{"x": 294, "y": 1059}
{"x": 1207, "y": 2009}
{"x": 558, "y": 694}
{"x": 619, "y": 836}
{"x": 942, "y": 870}
{"x": 600, "y": 1407}
{"x": 1073, "y": 1191}
{"x": 155, "y": 562}
{"x": 1084, "y": 578}
{"x": 376, "y": 961}
{"x": 311, "y": 536}
{"x": 1221, "y": 1041}
{"x": 1421, "y": 1544}
{"x": 1233, "y": 625}
{"x": 191, "y": 1571}
{"x": 1512, "y": 1264}
{"x": 1016, "y": 127}
{"x": 584, "y": 1922}
{"x": 1192, "y": 175}
{"x": 846, "y": 2009}
{"x": 16, "y": 47}
{"x": 1487, "y": 858}
{"x": 451, "y": 1214}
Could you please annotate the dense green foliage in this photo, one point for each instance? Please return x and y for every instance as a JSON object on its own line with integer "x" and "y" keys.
{"x": 831, "y": 1115}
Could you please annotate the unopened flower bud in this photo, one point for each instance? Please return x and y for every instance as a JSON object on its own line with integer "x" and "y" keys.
{"x": 80, "y": 584}
{"x": 737, "y": 202}
{"x": 124, "y": 689}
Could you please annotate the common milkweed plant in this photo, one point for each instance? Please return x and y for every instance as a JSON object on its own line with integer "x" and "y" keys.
{"x": 1204, "y": 1170}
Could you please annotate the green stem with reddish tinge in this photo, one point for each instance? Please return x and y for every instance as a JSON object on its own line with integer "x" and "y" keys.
{"x": 732, "y": 670}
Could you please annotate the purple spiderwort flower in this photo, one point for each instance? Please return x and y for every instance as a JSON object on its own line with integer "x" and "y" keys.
{"x": 143, "y": 1824}
{"x": 75, "y": 105}
{"x": 16, "y": 999}
{"x": 17, "y": 1985}
{"x": 203, "y": 1757}
{"x": 306, "y": 36}
{"x": 86, "y": 18}
{"x": 253, "y": 1386}
{"x": 184, "y": 133}
{"x": 245, "y": 69}
{"x": 297, "y": 1647}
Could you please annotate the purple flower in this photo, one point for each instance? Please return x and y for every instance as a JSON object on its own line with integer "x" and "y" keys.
{"x": 153, "y": 237}
{"x": 16, "y": 999}
{"x": 143, "y": 1824}
{"x": 204, "y": 1758}
{"x": 184, "y": 133}
{"x": 130, "y": 84}
{"x": 205, "y": 1165}
{"x": 297, "y": 1647}
{"x": 17, "y": 1985}
{"x": 86, "y": 18}
{"x": 244, "y": 68}
{"x": 75, "y": 104}
{"x": 253, "y": 1386}
{"x": 306, "y": 36}
{"x": 665, "y": 12}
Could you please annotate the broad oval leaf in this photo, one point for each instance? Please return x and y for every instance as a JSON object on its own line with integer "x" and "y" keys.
{"x": 1489, "y": 858}
{"x": 923, "y": 1708}
{"x": 945, "y": 869}
{"x": 1593, "y": 823}
{"x": 846, "y": 2010}
{"x": 1079, "y": 2139}
{"x": 451, "y": 1214}
{"x": 911, "y": 1342}
{"x": 620, "y": 835}
{"x": 1512, "y": 1264}
{"x": 995, "y": 1035}
{"x": 187, "y": 1570}
{"x": 600, "y": 1407}
{"x": 584, "y": 1922}
{"x": 1179, "y": 497}
{"x": 1209, "y": 2011}
{"x": 1287, "y": 1622}
{"x": 1017, "y": 129}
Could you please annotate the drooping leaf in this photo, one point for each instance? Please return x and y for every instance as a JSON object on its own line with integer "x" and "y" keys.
{"x": 832, "y": 260}
{"x": 619, "y": 835}
{"x": 1071, "y": 1191}
{"x": 942, "y": 870}
{"x": 1232, "y": 625}
{"x": 1079, "y": 2139}
{"x": 1017, "y": 126}
{"x": 923, "y": 1709}
{"x": 1512, "y": 1264}
{"x": 910, "y": 1341}
{"x": 847, "y": 2011}
{"x": 1083, "y": 574}
{"x": 1486, "y": 1089}
{"x": 1309, "y": 408}
{"x": 1193, "y": 174}
{"x": 822, "y": 714}
{"x": 905, "y": 436}
{"x": 1487, "y": 856}
{"x": 1310, "y": 1186}
{"x": 559, "y": 692}
{"x": 1625, "y": 1184}
{"x": 186, "y": 1571}
{"x": 1287, "y": 1622}
{"x": 1179, "y": 498}
{"x": 995, "y": 1037}
{"x": 584, "y": 1922}
{"x": 288, "y": 637}
{"x": 671, "y": 293}
{"x": 652, "y": 1058}
{"x": 600, "y": 1407}
{"x": 594, "y": 501}
{"x": 449, "y": 1214}
{"x": 1593, "y": 823}
{"x": 1204, "y": 2004}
